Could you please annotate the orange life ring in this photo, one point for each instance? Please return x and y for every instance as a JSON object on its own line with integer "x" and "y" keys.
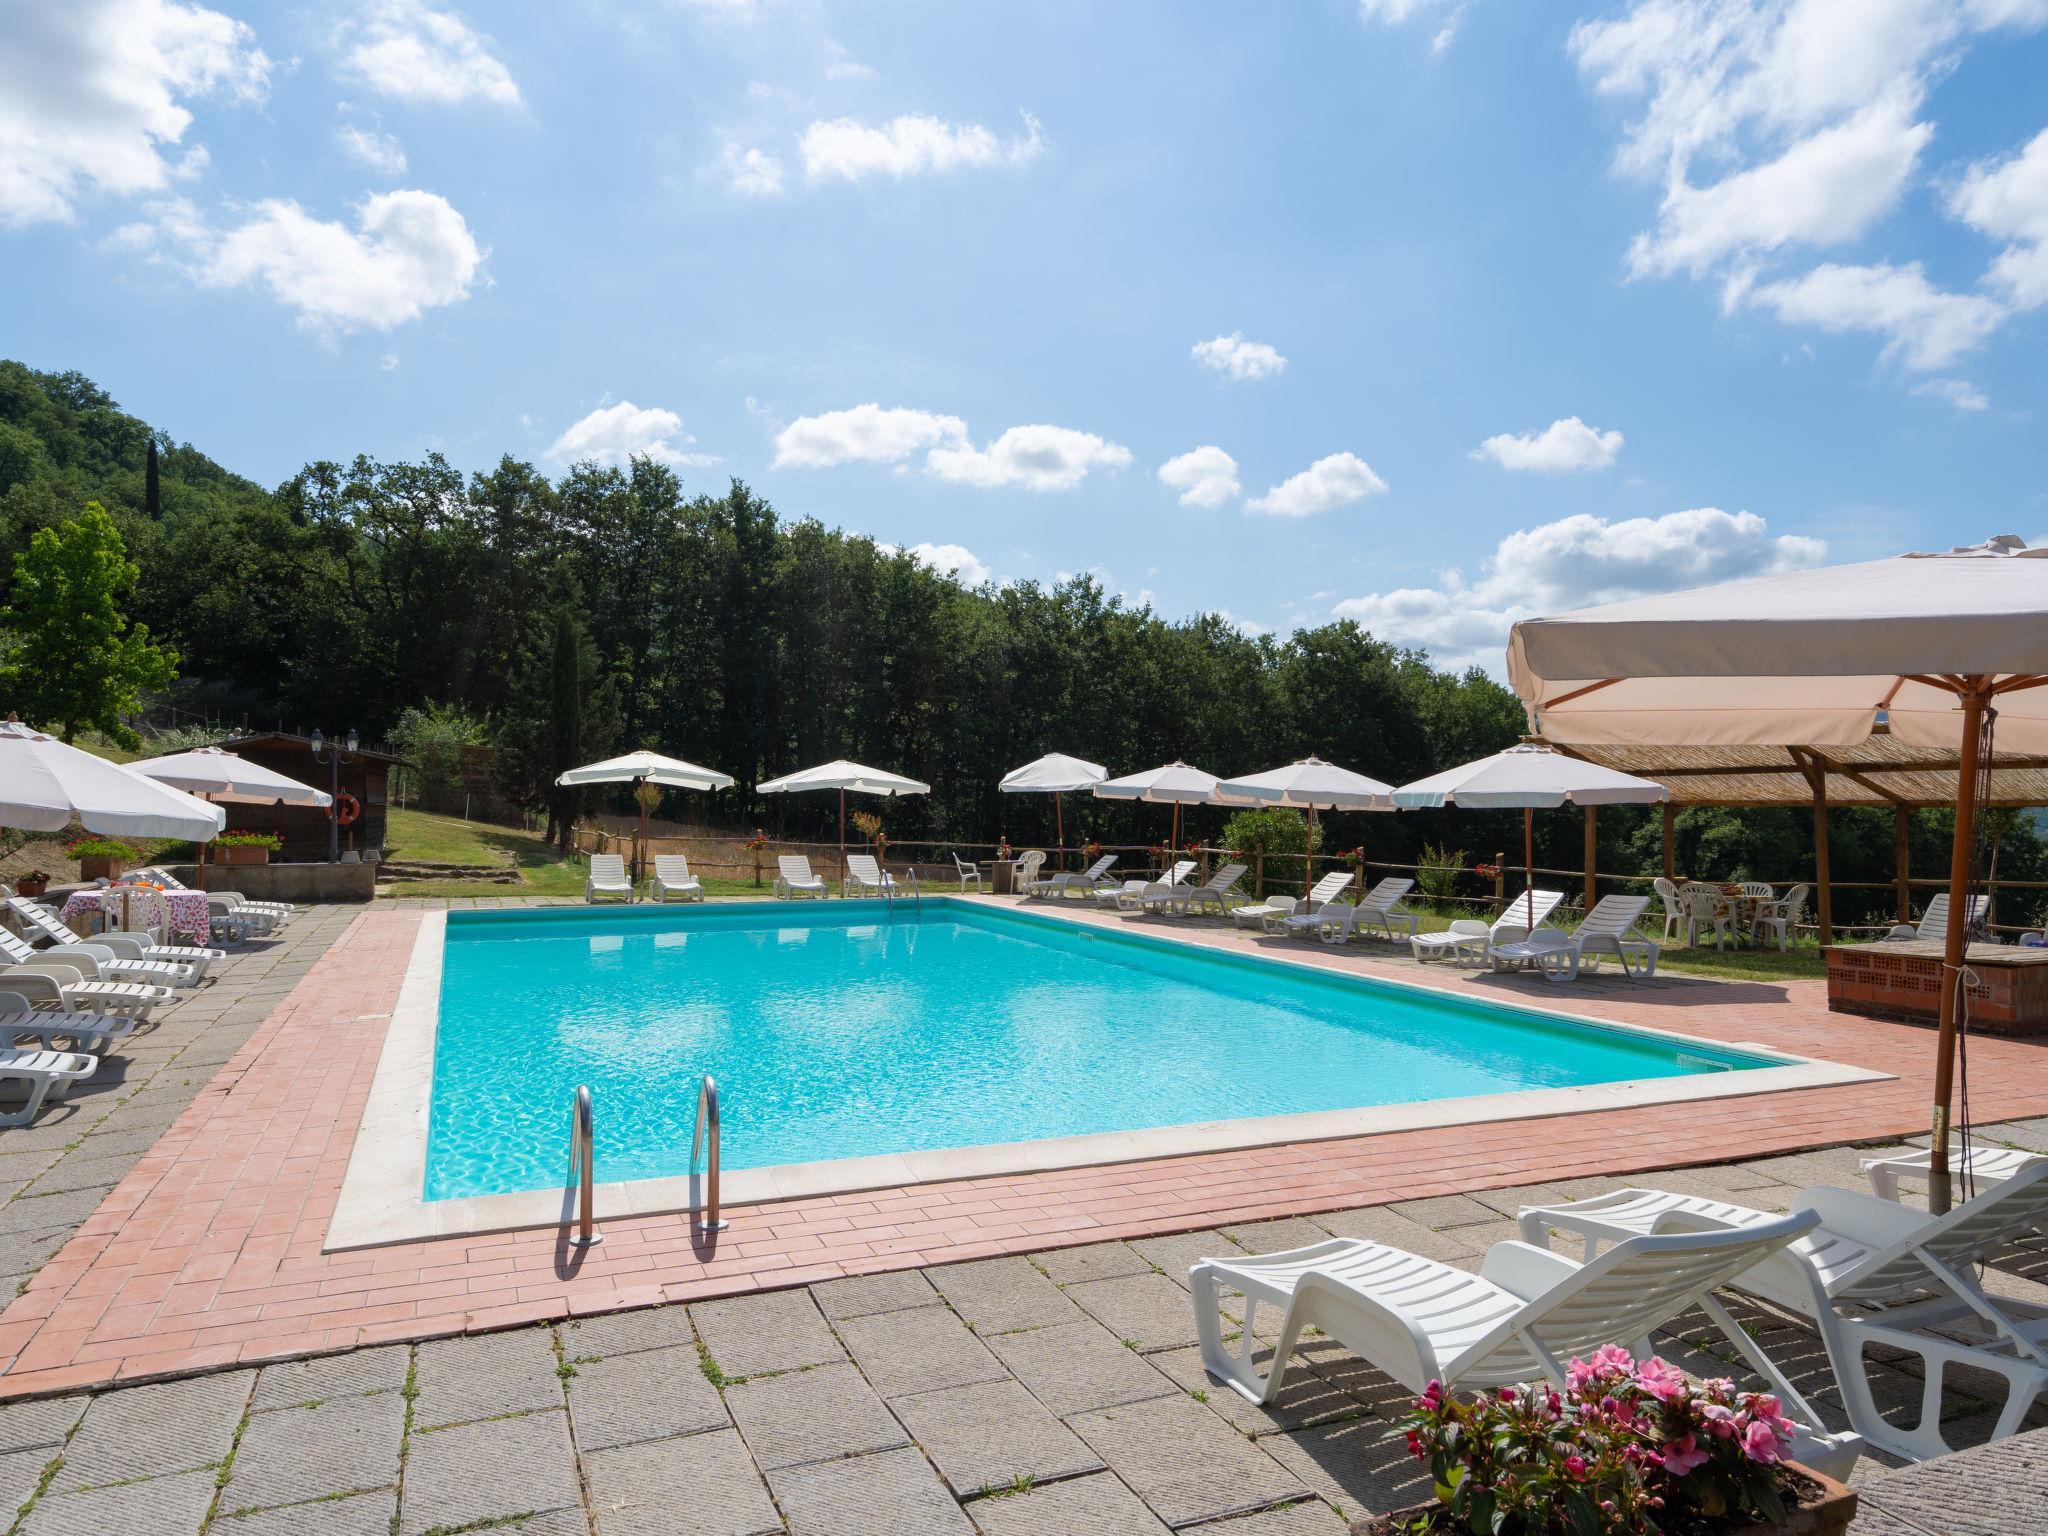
{"x": 348, "y": 810}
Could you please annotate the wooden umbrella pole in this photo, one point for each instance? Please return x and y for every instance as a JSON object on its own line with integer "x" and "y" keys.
{"x": 1529, "y": 865}
{"x": 208, "y": 843}
{"x": 1940, "y": 1188}
{"x": 1308, "y": 855}
{"x": 1059, "y": 827}
{"x": 842, "y": 840}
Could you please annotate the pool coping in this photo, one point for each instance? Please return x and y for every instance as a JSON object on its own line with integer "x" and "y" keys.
{"x": 381, "y": 1203}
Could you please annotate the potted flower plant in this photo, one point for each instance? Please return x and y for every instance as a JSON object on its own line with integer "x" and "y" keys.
{"x": 1627, "y": 1446}
{"x": 246, "y": 847}
{"x": 32, "y": 882}
{"x": 100, "y": 858}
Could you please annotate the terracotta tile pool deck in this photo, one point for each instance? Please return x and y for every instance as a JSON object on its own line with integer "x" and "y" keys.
{"x": 208, "y": 1253}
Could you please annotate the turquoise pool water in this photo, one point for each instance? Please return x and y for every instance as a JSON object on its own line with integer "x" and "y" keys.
{"x": 839, "y": 1030}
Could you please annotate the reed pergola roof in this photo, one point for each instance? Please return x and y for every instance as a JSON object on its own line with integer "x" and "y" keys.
{"x": 1878, "y": 771}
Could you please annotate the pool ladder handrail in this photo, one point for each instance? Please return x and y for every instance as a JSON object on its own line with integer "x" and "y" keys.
{"x": 583, "y": 1168}
{"x": 707, "y": 1114}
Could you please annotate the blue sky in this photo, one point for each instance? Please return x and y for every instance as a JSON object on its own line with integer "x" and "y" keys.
{"x": 1431, "y": 312}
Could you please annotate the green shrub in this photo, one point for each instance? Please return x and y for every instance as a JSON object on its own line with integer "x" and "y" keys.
{"x": 268, "y": 840}
{"x": 101, "y": 848}
{"x": 1436, "y": 876}
{"x": 1278, "y": 833}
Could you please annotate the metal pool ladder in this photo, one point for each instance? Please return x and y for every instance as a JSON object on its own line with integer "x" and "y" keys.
{"x": 583, "y": 1168}
{"x": 707, "y": 1117}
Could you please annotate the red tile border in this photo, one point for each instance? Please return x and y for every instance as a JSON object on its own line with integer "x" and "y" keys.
{"x": 209, "y": 1252}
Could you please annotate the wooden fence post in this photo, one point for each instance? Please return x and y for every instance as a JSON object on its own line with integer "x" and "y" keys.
{"x": 1592, "y": 855}
{"x": 1670, "y": 841}
{"x": 1259, "y": 875}
{"x": 1500, "y": 883}
{"x": 1903, "y": 829}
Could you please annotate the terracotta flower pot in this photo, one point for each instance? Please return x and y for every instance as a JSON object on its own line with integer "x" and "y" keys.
{"x": 1825, "y": 1509}
{"x": 35, "y": 887}
{"x": 248, "y": 855}
{"x": 100, "y": 867}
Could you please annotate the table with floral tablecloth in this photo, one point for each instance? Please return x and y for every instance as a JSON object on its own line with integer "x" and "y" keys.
{"x": 182, "y": 913}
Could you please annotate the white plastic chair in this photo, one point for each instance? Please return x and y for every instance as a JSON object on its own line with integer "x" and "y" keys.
{"x": 1782, "y": 915}
{"x": 970, "y": 874}
{"x": 1883, "y": 1259}
{"x": 793, "y": 877}
{"x": 1024, "y": 873}
{"x": 1522, "y": 1317}
{"x": 1674, "y": 906}
{"x": 672, "y": 879}
{"x": 607, "y": 878}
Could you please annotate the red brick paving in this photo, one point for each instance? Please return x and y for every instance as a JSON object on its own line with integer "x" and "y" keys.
{"x": 209, "y": 1251}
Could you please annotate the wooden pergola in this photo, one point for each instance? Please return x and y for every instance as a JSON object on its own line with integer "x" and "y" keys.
{"x": 1872, "y": 774}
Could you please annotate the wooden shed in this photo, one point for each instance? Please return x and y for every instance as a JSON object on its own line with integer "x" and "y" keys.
{"x": 366, "y": 774}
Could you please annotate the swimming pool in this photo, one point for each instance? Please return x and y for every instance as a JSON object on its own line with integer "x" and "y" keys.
{"x": 848, "y": 1030}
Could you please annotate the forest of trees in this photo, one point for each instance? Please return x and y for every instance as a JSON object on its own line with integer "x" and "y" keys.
{"x": 703, "y": 624}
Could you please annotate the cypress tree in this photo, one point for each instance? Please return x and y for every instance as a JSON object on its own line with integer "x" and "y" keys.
{"x": 152, "y": 493}
{"x": 565, "y": 714}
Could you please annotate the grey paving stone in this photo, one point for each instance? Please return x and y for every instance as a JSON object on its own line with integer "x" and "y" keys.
{"x": 1149, "y": 1310}
{"x": 1076, "y": 1367}
{"x": 1275, "y": 1236}
{"x": 48, "y": 1213}
{"x": 1511, "y": 1200}
{"x": 1305, "y": 1397}
{"x": 1002, "y": 1295}
{"x": 472, "y": 1472}
{"x": 289, "y": 1455}
{"x": 622, "y": 1333}
{"x": 1183, "y": 1461}
{"x": 1382, "y": 1224}
{"x": 147, "y": 1431}
{"x": 699, "y": 1485}
{"x": 647, "y": 1395}
{"x": 917, "y": 1350}
{"x": 21, "y": 1473}
{"x": 1312, "y": 1517}
{"x": 1180, "y": 1252}
{"x": 45, "y": 1421}
{"x": 1095, "y": 1261}
{"x": 777, "y": 1331}
{"x": 1441, "y": 1212}
{"x": 860, "y": 1295}
{"x": 162, "y": 1506}
{"x": 358, "y": 1372}
{"x": 992, "y": 1433}
{"x": 1354, "y": 1465}
{"x": 1085, "y": 1506}
{"x": 364, "y": 1514}
{"x": 811, "y": 1415}
{"x": 895, "y": 1493}
{"x": 464, "y": 1379}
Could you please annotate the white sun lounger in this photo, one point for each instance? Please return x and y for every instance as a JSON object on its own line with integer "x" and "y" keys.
{"x": 137, "y": 953}
{"x": 607, "y": 878}
{"x": 1067, "y": 883}
{"x": 62, "y": 985}
{"x": 1471, "y": 941}
{"x": 1336, "y": 921}
{"x": 865, "y": 877}
{"x": 1521, "y": 1318}
{"x": 793, "y": 877}
{"x": 96, "y": 961}
{"x": 1215, "y": 894}
{"x": 42, "y": 1074}
{"x": 1979, "y": 1165}
{"x": 1604, "y": 932}
{"x": 1150, "y": 892}
{"x": 1273, "y": 908}
{"x": 90, "y": 1033}
{"x": 672, "y": 879}
{"x": 1907, "y": 1274}
{"x": 277, "y": 912}
{"x": 1933, "y": 925}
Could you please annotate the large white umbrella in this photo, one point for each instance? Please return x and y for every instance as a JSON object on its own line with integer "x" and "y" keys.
{"x": 1534, "y": 778}
{"x": 842, "y": 775}
{"x": 44, "y": 784}
{"x": 1935, "y": 644}
{"x": 1054, "y": 774}
{"x": 1173, "y": 783}
{"x": 646, "y": 767}
{"x": 1309, "y": 785}
{"x": 212, "y": 774}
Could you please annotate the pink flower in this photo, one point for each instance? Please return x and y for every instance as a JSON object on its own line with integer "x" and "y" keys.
{"x": 1662, "y": 1381}
{"x": 1763, "y": 1405}
{"x": 1760, "y": 1442}
{"x": 1720, "y": 1419}
{"x": 1433, "y": 1393}
{"x": 1575, "y": 1466}
{"x": 1507, "y": 1394}
{"x": 1681, "y": 1456}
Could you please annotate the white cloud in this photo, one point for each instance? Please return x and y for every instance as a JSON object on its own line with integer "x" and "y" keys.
{"x": 1392, "y": 12}
{"x": 840, "y": 64}
{"x": 754, "y": 172}
{"x": 615, "y": 434}
{"x": 92, "y": 92}
{"x": 953, "y": 560}
{"x": 866, "y": 433}
{"x": 910, "y": 146}
{"x": 2007, "y": 199}
{"x": 1335, "y": 481}
{"x": 1251, "y": 629}
{"x": 1960, "y": 393}
{"x": 408, "y": 252}
{"x": 1562, "y": 447}
{"x": 1040, "y": 458}
{"x": 1205, "y": 477}
{"x": 1236, "y": 358}
{"x": 1924, "y": 327}
{"x": 409, "y": 50}
{"x": 379, "y": 151}
{"x": 1569, "y": 564}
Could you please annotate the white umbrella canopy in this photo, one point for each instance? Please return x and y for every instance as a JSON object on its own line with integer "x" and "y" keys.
{"x": 650, "y": 766}
{"x": 842, "y": 775}
{"x": 44, "y": 784}
{"x": 1931, "y": 643}
{"x": 220, "y": 775}
{"x": 1531, "y": 777}
{"x": 1311, "y": 785}
{"x": 1054, "y": 774}
{"x": 1175, "y": 784}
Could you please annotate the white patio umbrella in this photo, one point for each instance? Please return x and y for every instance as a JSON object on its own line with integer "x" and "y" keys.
{"x": 44, "y": 784}
{"x": 1309, "y": 785}
{"x": 1173, "y": 783}
{"x": 844, "y": 776}
{"x": 644, "y": 767}
{"x": 213, "y": 774}
{"x": 1533, "y": 777}
{"x": 1054, "y": 774}
{"x": 1938, "y": 645}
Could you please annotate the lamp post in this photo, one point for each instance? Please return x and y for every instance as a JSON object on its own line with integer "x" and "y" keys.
{"x": 335, "y": 758}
